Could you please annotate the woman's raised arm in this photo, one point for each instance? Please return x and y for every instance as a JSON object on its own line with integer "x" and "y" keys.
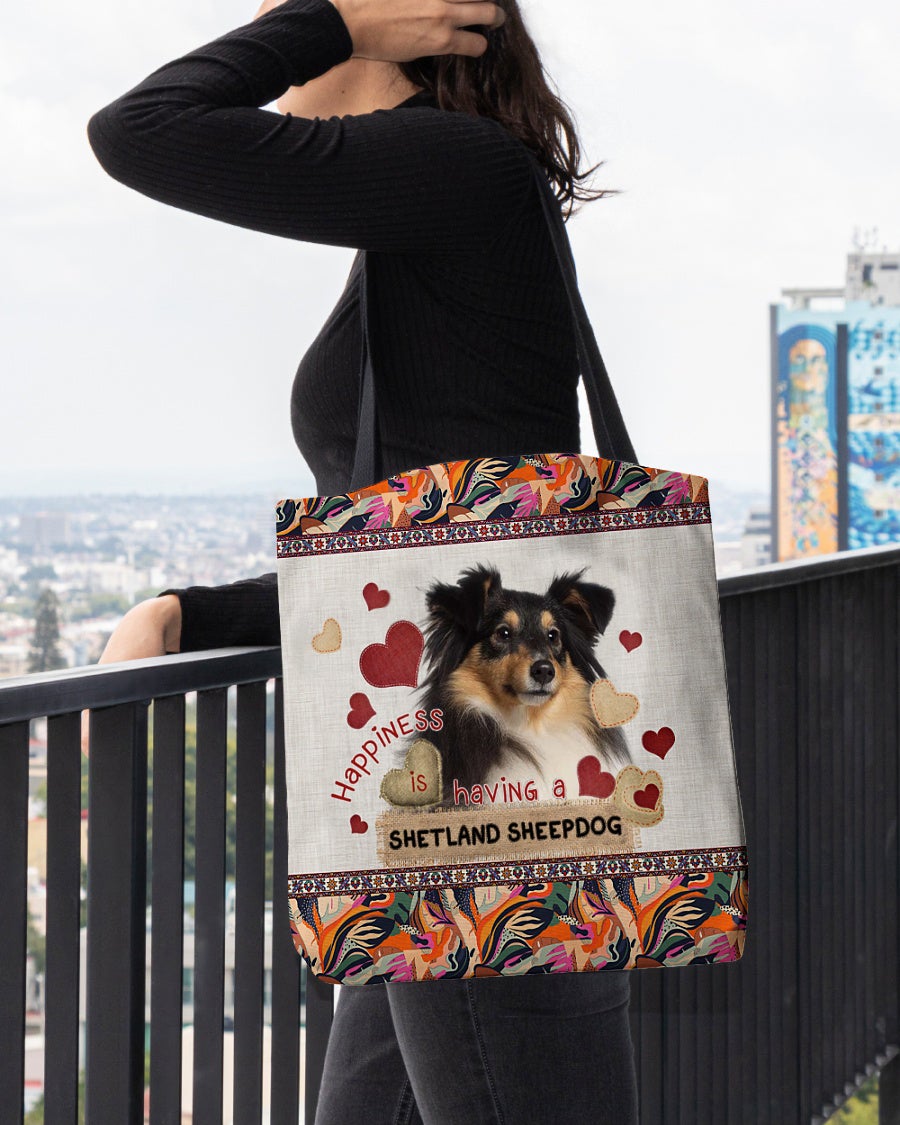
{"x": 192, "y": 135}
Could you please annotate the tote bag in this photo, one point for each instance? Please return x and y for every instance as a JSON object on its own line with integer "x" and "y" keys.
{"x": 508, "y": 742}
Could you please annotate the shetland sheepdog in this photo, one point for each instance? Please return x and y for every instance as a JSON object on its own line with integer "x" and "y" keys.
{"x": 511, "y": 672}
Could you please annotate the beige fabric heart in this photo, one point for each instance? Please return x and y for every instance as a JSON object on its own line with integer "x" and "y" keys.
{"x": 612, "y": 708}
{"x": 418, "y": 783}
{"x": 639, "y": 795}
{"x": 329, "y": 640}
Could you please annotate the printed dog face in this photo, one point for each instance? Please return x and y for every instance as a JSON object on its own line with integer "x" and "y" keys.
{"x": 511, "y": 647}
{"x": 510, "y": 672}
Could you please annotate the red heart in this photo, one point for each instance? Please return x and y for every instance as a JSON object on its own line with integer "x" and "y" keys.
{"x": 361, "y": 710}
{"x": 593, "y": 781}
{"x": 647, "y": 797}
{"x": 659, "y": 742}
{"x": 396, "y": 662}
{"x": 375, "y": 598}
{"x": 630, "y": 641}
{"x": 357, "y": 824}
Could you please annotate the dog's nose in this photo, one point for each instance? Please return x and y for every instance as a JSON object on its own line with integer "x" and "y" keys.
{"x": 542, "y": 672}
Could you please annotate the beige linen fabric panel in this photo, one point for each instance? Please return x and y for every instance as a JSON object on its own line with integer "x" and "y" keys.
{"x": 665, "y": 587}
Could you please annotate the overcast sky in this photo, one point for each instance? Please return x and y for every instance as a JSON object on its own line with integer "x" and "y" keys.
{"x": 146, "y": 348}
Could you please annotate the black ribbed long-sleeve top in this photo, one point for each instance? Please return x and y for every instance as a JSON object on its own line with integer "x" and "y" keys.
{"x": 469, "y": 322}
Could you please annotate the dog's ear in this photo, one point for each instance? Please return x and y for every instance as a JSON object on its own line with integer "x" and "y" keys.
{"x": 445, "y": 634}
{"x": 589, "y": 606}
{"x": 445, "y": 604}
{"x": 480, "y": 586}
{"x": 455, "y": 612}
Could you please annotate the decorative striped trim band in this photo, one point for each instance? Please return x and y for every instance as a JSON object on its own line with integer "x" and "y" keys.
{"x": 472, "y": 531}
{"x": 506, "y": 874}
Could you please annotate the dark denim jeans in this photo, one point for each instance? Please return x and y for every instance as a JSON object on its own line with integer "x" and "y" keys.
{"x": 486, "y": 1051}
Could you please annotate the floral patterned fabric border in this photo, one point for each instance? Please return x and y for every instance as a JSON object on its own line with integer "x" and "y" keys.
{"x": 528, "y": 488}
{"x": 620, "y": 922}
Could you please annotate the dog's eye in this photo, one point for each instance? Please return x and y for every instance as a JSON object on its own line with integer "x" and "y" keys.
{"x": 502, "y": 633}
{"x": 553, "y": 636}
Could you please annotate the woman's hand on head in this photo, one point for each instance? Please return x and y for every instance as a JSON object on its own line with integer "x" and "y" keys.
{"x": 403, "y": 30}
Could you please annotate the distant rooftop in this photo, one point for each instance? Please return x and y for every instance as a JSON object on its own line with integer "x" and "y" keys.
{"x": 871, "y": 276}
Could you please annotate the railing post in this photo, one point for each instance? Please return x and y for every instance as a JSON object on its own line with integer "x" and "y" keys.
{"x": 14, "y": 899}
{"x": 209, "y": 909}
{"x": 250, "y": 878}
{"x": 166, "y": 958}
{"x": 889, "y": 1092}
{"x": 63, "y": 917}
{"x": 285, "y": 959}
{"x": 117, "y": 896}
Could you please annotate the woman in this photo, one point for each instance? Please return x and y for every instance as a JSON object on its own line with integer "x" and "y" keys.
{"x": 403, "y": 133}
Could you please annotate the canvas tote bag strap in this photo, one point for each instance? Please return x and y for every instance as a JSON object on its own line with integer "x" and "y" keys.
{"x": 367, "y": 458}
{"x": 610, "y": 433}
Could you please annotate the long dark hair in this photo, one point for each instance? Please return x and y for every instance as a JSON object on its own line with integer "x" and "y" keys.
{"x": 508, "y": 83}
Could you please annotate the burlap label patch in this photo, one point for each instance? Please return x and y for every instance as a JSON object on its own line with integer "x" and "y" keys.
{"x": 542, "y": 830}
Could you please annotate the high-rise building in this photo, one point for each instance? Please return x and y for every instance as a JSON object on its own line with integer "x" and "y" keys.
{"x": 836, "y": 412}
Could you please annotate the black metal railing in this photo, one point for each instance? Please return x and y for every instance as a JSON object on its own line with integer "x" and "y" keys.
{"x": 118, "y": 697}
{"x": 813, "y": 657}
{"x": 780, "y": 1037}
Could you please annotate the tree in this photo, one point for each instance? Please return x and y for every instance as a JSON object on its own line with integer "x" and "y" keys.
{"x": 45, "y": 655}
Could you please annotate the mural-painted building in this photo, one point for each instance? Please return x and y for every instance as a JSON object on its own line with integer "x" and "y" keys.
{"x": 836, "y": 414}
